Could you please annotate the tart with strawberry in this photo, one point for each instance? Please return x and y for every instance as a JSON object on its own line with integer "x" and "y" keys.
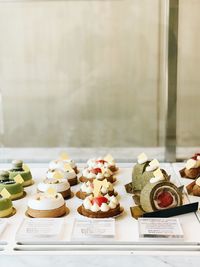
{"x": 88, "y": 187}
{"x": 100, "y": 207}
{"x": 192, "y": 167}
{"x": 90, "y": 174}
{"x": 103, "y": 163}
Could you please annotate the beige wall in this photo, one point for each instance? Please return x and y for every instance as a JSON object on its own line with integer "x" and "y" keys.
{"x": 90, "y": 73}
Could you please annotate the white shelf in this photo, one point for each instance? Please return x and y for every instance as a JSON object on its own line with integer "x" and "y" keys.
{"x": 126, "y": 242}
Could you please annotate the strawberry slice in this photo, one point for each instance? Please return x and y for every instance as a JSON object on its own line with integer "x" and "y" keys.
{"x": 96, "y": 170}
{"x": 99, "y": 200}
{"x": 101, "y": 161}
{"x": 165, "y": 199}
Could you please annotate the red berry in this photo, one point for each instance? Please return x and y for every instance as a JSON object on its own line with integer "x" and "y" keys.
{"x": 96, "y": 171}
{"x": 195, "y": 156}
{"x": 165, "y": 199}
{"x": 99, "y": 200}
{"x": 101, "y": 161}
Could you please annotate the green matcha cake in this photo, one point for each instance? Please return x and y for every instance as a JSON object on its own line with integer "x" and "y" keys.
{"x": 18, "y": 168}
{"x": 15, "y": 189}
{"x": 6, "y": 207}
{"x": 160, "y": 195}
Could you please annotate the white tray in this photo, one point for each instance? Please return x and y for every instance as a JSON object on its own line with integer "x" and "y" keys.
{"x": 127, "y": 239}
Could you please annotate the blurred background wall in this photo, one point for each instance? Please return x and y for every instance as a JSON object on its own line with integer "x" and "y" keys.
{"x": 92, "y": 73}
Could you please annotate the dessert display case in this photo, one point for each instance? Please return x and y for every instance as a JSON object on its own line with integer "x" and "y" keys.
{"x": 91, "y": 78}
{"x": 126, "y": 240}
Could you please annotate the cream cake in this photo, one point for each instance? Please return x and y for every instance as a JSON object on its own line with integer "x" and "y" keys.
{"x": 70, "y": 175}
{"x": 61, "y": 186}
{"x": 59, "y": 164}
{"x": 42, "y": 205}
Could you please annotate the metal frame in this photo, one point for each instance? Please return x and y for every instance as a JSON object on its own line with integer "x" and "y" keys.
{"x": 170, "y": 138}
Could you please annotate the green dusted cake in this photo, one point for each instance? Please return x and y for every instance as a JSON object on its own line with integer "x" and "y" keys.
{"x": 143, "y": 171}
{"x": 160, "y": 195}
{"x": 15, "y": 189}
{"x": 6, "y": 207}
{"x": 19, "y": 168}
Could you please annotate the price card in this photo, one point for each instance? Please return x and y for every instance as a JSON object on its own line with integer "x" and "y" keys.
{"x": 160, "y": 229}
{"x": 93, "y": 229}
{"x": 43, "y": 229}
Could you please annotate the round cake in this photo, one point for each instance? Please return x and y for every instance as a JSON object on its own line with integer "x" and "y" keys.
{"x": 15, "y": 189}
{"x": 6, "y": 207}
{"x": 18, "y": 168}
{"x": 61, "y": 186}
{"x": 87, "y": 189}
{"x": 102, "y": 163}
{"x": 100, "y": 207}
{"x": 42, "y": 205}
{"x": 90, "y": 174}
{"x": 192, "y": 168}
{"x": 160, "y": 195}
{"x": 59, "y": 164}
{"x": 71, "y": 176}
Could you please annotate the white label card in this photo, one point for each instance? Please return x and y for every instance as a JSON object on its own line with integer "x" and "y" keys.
{"x": 93, "y": 229}
{"x": 40, "y": 229}
{"x": 160, "y": 228}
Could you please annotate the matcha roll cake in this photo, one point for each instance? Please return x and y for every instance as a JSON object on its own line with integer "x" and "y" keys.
{"x": 15, "y": 189}
{"x": 6, "y": 207}
{"x": 144, "y": 171}
{"x": 159, "y": 195}
{"x": 19, "y": 168}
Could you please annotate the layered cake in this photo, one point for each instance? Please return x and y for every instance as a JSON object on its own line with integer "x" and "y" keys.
{"x": 18, "y": 167}
{"x": 159, "y": 194}
{"x": 90, "y": 174}
{"x": 88, "y": 187}
{"x": 100, "y": 207}
{"x": 61, "y": 186}
{"x": 6, "y": 207}
{"x": 106, "y": 162}
{"x": 143, "y": 171}
{"x": 43, "y": 205}
{"x": 192, "y": 168}
{"x": 60, "y": 164}
{"x": 67, "y": 172}
{"x": 15, "y": 189}
{"x": 194, "y": 188}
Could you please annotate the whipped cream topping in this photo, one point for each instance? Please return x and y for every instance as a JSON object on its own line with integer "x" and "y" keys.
{"x": 153, "y": 165}
{"x": 100, "y": 163}
{"x": 142, "y": 158}
{"x": 88, "y": 188}
{"x": 197, "y": 182}
{"x": 94, "y": 207}
{"x": 60, "y": 185}
{"x": 42, "y": 201}
{"x": 66, "y": 175}
{"x": 59, "y": 164}
{"x": 90, "y": 173}
{"x": 192, "y": 163}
